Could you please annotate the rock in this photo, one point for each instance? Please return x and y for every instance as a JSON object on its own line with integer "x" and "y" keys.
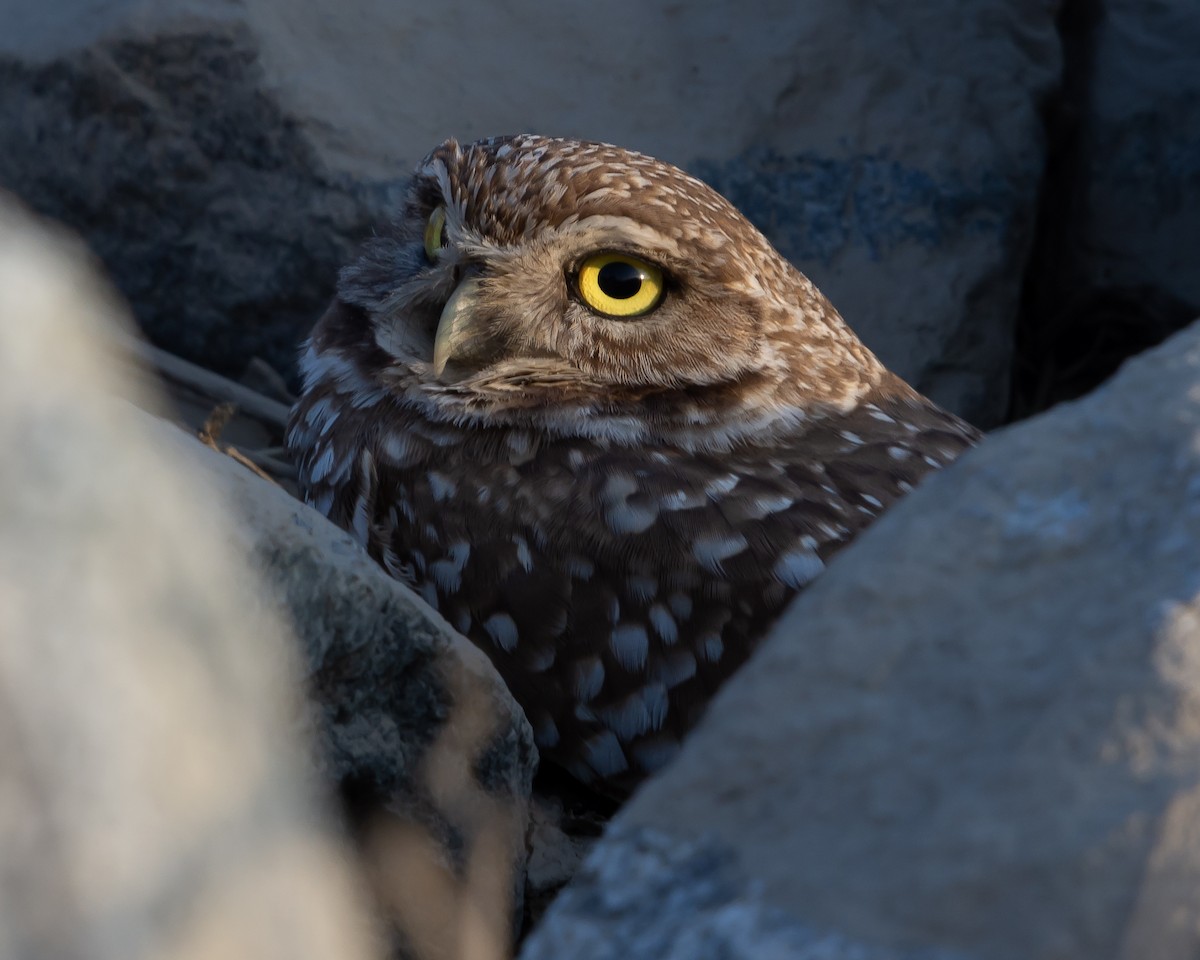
{"x": 185, "y": 696}
{"x": 223, "y": 157}
{"x": 650, "y": 894}
{"x": 153, "y": 800}
{"x": 562, "y": 830}
{"x": 432, "y": 753}
{"x": 1113, "y": 272}
{"x": 386, "y": 670}
{"x": 1136, "y": 217}
{"x": 978, "y": 732}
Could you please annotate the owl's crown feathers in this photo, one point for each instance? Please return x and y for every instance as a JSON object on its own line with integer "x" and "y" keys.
{"x": 562, "y": 284}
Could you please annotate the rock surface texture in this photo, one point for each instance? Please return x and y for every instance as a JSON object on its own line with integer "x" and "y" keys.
{"x": 154, "y": 799}
{"x": 432, "y": 753}
{"x": 978, "y": 733}
{"x": 224, "y": 156}
{"x": 153, "y": 802}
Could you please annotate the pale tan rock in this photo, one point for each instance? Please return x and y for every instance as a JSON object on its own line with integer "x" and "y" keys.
{"x": 153, "y": 802}
{"x": 154, "y": 795}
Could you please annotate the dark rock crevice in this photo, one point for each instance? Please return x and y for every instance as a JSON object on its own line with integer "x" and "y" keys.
{"x": 1078, "y": 322}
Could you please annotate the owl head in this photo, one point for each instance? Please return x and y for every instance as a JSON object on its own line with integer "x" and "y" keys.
{"x": 576, "y": 286}
{"x": 580, "y": 404}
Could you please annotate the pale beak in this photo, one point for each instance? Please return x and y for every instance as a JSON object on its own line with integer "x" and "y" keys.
{"x": 462, "y": 333}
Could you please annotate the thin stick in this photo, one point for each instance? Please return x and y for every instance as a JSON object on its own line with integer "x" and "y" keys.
{"x": 249, "y": 464}
{"x": 276, "y": 468}
{"x": 260, "y": 461}
{"x": 250, "y": 402}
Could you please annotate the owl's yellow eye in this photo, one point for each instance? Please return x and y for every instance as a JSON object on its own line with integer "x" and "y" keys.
{"x": 620, "y": 286}
{"x": 435, "y": 233}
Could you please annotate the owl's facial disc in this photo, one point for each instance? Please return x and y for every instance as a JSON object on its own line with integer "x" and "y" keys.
{"x": 613, "y": 286}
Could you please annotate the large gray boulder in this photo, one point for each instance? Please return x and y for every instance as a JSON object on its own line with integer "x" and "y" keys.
{"x": 154, "y": 800}
{"x": 224, "y": 156}
{"x": 978, "y": 732}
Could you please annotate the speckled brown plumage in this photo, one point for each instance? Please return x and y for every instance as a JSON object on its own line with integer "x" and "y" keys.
{"x": 614, "y": 509}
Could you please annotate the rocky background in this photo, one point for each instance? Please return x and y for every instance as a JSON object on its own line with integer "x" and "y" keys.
{"x": 224, "y": 733}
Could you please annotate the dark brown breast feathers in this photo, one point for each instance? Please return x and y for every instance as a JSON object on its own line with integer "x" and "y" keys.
{"x": 614, "y": 588}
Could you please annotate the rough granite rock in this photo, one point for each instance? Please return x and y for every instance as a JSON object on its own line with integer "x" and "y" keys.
{"x": 978, "y": 732}
{"x": 223, "y": 156}
{"x": 650, "y": 894}
{"x": 153, "y": 800}
{"x": 414, "y": 721}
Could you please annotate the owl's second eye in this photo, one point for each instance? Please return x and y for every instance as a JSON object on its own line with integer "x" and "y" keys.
{"x": 435, "y": 233}
{"x": 617, "y": 285}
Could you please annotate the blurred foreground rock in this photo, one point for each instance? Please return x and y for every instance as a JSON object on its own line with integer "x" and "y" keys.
{"x": 153, "y": 802}
{"x": 977, "y": 735}
{"x": 154, "y": 797}
{"x": 224, "y": 156}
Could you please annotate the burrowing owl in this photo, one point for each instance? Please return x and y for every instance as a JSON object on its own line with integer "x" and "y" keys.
{"x": 575, "y": 400}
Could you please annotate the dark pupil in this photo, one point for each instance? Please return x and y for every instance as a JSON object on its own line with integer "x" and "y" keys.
{"x": 619, "y": 280}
